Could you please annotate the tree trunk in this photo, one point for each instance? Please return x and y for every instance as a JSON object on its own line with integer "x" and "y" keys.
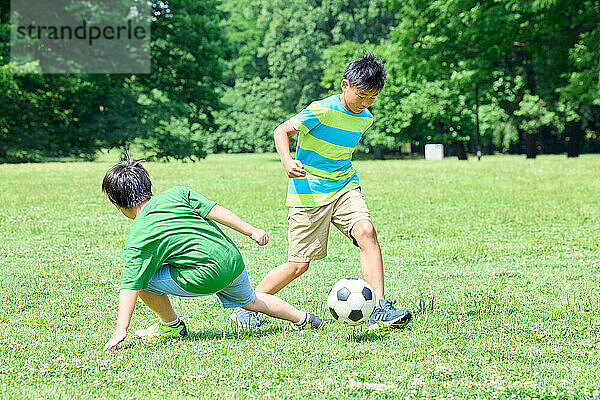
{"x": 573, "y": 136}
{"x": 459, "y": 148}
{"x": 477, "y": 122}
{"x": 378, "y": 152}
{"x": 354, "y": 24}
{"x": 530, "y": 84}
{"x": 3, "y": 153}
{"x": 531, "y": 149}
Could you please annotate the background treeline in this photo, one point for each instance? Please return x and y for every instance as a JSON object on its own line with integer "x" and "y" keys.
{"x": 523, "y": 73}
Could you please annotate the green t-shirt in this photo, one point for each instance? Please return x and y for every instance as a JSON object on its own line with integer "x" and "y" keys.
{"x": 172, "y": 228}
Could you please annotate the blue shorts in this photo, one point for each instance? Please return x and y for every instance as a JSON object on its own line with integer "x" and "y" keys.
{"x": 239, "y": 293}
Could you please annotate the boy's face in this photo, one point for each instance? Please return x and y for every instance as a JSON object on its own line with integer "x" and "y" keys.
{"x": 356, "y": 99}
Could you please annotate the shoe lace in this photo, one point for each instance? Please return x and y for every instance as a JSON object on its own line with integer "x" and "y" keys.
{"x": 389, "y": 306}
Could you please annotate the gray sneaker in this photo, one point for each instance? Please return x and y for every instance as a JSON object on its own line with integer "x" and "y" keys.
{"x": 312, "y": 322}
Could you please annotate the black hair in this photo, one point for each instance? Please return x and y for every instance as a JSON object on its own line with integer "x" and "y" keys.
{"x": 366, "y": 72}
{"x": 127, "y": 184}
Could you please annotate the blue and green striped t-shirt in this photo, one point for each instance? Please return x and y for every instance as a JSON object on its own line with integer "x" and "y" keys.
{"x": 328, "y": 136}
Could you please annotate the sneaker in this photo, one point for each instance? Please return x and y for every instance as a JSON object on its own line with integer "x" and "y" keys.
{"x": 385, "y": 315}
{"x": 244, "y": 318}
{"x": 312, "y": 322}
{"x": 162, "y": 331}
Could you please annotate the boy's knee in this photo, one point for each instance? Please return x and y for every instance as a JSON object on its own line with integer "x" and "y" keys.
{"x": 298, "y": 268}
{"x": 364, "y": 231}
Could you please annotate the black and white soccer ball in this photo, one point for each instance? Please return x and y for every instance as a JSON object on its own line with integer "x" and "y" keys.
{"x": 351, "y": 301}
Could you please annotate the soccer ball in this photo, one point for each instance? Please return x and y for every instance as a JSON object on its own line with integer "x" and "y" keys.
{"x": 351, "y": 301}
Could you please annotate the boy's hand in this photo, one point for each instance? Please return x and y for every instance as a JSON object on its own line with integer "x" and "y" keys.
{"x": 294, "y": 169}
{"x": 260, "y": 236}
{"x": 117, "y": 337}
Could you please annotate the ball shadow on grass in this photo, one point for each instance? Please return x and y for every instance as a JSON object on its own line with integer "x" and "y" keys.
{"x": 359, "y": 335}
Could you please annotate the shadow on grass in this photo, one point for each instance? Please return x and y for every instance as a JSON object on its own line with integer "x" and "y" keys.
{"x": 238, "y": 333}
{"x": 214, "y": 334}
{"x": 125, "y": 345}
{"x": 374, "y": 335}
{"x": 367, "y": 337}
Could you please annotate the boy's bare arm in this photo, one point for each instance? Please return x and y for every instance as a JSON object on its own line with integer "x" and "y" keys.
{"x": 127, "y": 299}
{"x": 226, "y": 217}
{"x": 293, "y": 168}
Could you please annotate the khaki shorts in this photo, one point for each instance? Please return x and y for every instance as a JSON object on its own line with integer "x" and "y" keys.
{"x": 309, "y": 226}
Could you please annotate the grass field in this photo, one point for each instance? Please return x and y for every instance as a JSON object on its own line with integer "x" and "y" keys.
{"x": 499, "y": 261}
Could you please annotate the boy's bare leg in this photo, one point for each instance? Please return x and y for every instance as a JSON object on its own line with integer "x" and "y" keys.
{"x": 160, "y": 304}
{"x": 279, "y": 277}
{"x": 274, "y": 307}
{"x": 371, "y": 262}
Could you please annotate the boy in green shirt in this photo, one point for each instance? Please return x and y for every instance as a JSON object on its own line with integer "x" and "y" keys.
{"x": 175, "y": 247}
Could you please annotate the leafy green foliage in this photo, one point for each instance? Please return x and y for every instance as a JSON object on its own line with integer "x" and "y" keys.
{"x": 280, "y": 59}
{"x": 508, "y": 50}
{"x": 76, "y": 115}
{"x": 254, "y": 108}
{"x": 533, "y": 113}
{"x": 233, "y": 71}
{"x": 177, "y": 138}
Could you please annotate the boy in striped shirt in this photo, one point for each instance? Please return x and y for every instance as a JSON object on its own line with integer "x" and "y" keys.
{"x": 324, "y": 187}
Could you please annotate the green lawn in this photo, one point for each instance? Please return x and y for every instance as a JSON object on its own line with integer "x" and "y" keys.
{"x": 499, "y": 261}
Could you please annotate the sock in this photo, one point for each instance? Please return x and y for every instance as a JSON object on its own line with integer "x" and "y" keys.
{"x": 302, "y": 320}
{"x": 172, "y": 323}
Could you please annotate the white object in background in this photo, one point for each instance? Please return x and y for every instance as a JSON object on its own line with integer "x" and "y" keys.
{"x": 434, "y": 152}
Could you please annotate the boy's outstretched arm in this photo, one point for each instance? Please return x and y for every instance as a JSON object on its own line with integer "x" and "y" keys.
{"x": 293, "y": 168}
{"x": 226, "y": 217}
{"x": 127, "y": 299}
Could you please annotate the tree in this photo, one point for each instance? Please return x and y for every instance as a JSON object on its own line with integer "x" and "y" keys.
{"x": 514, "y": 52}
{"x": 279, "y": 60}
{"x": 182, "y": 92}
{"x": 169, "y": 111}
